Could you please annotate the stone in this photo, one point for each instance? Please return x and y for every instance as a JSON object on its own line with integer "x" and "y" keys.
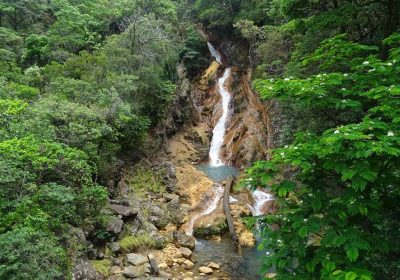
{"x": 135, "y": 271}
{"x": 115, "y": 225}
{"x": 124, "y": 202}
{"x": 205, "y": 270}
{"x": 165, "y": 275}
{"x": 160, "y": 241}
{"x": 158, "y": 216}
{"x": 163, "y": 265}
{"x": 124, "y": 211}
{"x": 184, "y": 240}
{"x": 270, "y": 275}
{"x": 170, "y": 196}
{"x": 114, "y": 247}
{"x": 188, "y": 264}
{"x": 116, "y": 277}
{"x": 83, "y": 270}
{"x": 136, "y": 259}
{"x": 117, "y": 261}
{"x": 115, "y": 270}
{"x": 186, "y": 252}
{"x": 213, "y": 265}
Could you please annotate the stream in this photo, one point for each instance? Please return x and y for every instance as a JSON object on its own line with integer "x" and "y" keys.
{"x": 247, "y": 265}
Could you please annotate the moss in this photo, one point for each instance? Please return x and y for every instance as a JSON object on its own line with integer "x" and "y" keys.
{"x": 133, "y": 243}
{"x": 144, "y": 180}
{"x": 211, "y": 230}
{"x": 102, "y": 266}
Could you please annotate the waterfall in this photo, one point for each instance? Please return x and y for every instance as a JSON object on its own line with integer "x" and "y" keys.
{"x": 220, "y": 127}
{"x": 214, "y": 53}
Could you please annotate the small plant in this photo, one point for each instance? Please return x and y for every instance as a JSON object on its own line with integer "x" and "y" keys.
{"x": 133, "y": 243}
{"x": 102, "y": 266}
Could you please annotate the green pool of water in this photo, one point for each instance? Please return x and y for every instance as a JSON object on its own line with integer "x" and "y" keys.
{"x": 219, "y": 173}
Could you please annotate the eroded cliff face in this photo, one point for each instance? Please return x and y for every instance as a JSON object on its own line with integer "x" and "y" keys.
{"x": 249, "y": 132}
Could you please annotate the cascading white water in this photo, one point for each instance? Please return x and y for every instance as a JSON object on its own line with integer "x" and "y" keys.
{"x": 260, "y": 198}
{"x": 216, "y": 142}
{"x": 214, "y": 53}
{"x": 218, "y": 193}
{"x": 220, "y": 127}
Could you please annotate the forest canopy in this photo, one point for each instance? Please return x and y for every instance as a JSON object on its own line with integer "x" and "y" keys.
{"x": 83, "y": 83}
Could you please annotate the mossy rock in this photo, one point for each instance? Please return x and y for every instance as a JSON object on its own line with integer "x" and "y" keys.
{"x": 217, "y": 229}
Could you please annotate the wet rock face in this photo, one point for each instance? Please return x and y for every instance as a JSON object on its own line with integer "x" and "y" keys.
{"x": 249, "y": 133}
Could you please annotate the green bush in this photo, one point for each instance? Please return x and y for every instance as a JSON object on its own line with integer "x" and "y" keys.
{"x": 30, "y": 254}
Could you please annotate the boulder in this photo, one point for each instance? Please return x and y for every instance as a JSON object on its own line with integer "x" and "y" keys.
{"x": 135, "y": 271}
{"x": 136, "y": 259}
{"x": 188, "y": 264}
{"x": 184, "y": 240}
{"x": 160, "y": 241}
{"x": 186, "y": 252}
{"x": 83, "y": 270}
{"x": 115, "y": 248}
{"x": 124, "y": 211}
{"x": 170, "y": 196}
{"x": 205, "y": 270}
{"x": 115, "y": 225}
{"x": 164, "y": 275}
{"x": 213, "y": 265}
{"x": 170, "y": 176}
{"x": 163, "y": 265}
{"x": 158, "y": 216}
{"x": 115, "y": 270}
{"x": 124, "y": 202}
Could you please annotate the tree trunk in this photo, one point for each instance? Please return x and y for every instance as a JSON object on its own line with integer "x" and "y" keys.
{"x": 228, "y": 214}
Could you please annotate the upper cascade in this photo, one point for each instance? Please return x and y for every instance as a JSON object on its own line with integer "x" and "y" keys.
{"x": 219, "y": 130}
{"x": 214, "y": 53}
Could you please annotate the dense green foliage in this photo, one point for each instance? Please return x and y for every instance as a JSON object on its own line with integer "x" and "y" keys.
{"x": 333, "y": 68}
{"x": 81, "y": 84}
{"x": 339, "y": 217}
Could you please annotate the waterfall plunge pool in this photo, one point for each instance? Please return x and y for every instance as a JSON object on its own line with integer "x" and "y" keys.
{"x": 218, "y": 173}
{"x": 245, "y": 266}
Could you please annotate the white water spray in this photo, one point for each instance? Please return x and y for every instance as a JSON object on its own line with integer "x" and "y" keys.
{"x": 260, "y": 198}
{"x": 212, "y": 205}
{"x": 219, "y": 129}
